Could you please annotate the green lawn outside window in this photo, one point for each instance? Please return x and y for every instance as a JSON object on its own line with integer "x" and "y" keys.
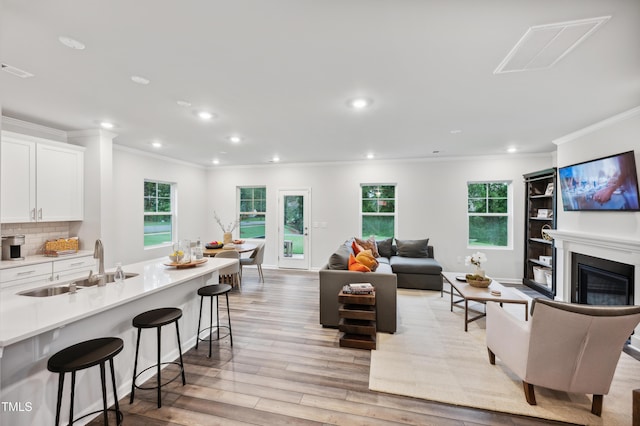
{"x": 488, "y": 213}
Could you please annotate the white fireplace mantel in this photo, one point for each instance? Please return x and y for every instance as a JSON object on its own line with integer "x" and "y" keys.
{"x": 598, "y": 240}
{"x": 608, "y": 247}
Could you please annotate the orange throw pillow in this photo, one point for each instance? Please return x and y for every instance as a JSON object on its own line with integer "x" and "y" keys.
{"x": 357, "y": 248}
{"x": 365, "y": 257}
{"x": 355, "y": 266}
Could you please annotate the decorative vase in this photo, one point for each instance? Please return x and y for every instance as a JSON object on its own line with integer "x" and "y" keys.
{"x": 227, "y": 238}
{"x": 479, "y": 271}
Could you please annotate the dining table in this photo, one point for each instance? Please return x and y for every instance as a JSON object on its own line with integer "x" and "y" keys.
{"x": 240, "y": 248}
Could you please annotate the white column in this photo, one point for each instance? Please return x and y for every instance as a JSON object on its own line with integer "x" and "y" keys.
{"x": 98, "y": 186}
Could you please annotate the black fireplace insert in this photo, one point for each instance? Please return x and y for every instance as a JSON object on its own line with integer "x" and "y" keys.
{"x": 596, "y": 281}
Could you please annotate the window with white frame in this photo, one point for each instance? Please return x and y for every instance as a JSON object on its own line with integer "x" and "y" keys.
{"x": 378, "y": 210}
{"x": 489, "y": 214}
{"x": 253, "y": 211}
{"x": 159, "y": 213}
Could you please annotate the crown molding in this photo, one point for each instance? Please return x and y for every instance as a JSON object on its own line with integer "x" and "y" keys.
{"x": 156, "y": 156}
{"x": 597, "y": 126}
{"x": 32, "y": 127}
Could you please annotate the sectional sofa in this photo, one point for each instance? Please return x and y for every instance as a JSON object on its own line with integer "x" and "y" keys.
{"x": 403, "y": 264}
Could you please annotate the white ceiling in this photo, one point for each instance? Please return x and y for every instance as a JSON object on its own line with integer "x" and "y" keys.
{"x": 280, "y": 72}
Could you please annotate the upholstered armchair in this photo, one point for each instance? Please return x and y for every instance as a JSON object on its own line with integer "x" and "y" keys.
{"x": 566, "y": 347}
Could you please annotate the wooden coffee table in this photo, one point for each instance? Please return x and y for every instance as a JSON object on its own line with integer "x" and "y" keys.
{"x": 482, "y": 295}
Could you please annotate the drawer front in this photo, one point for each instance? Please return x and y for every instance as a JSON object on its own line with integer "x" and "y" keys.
{"x": 25, "y": 272}
{"x": 87, "y": 262}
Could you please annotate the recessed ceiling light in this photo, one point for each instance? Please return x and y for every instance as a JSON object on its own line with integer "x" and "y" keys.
{"x": 455, "y": 131}
{"x": 184, "y": 104}
{"x": 215, "y": 161}
{"x": 360, "y": 103}
{"x": 156, "y": 144}
{"x": 512, "y": 149}
{"x": 223, "y": 152}
{"x": 235, "y": 139}
{"x": 205, "y": 115}
{"x": 370, "y": 156}
{"x": 106, "y": 125}
{"x": 71, "y": 43}
{"x": 140, "y": 80}
{"x": 275, "y": 159}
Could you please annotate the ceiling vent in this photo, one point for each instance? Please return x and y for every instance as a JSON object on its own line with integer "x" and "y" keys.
{"x": 544, "y": 45}
{"x": 16, "y": 71}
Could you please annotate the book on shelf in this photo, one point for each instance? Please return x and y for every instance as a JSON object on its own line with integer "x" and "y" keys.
{"x": 358, "y": 288}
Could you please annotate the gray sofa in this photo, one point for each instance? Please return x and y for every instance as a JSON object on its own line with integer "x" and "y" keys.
{"x": 396, "y": 269}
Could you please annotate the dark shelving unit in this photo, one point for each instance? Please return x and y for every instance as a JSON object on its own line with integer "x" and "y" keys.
{"x": 539, "y": 199}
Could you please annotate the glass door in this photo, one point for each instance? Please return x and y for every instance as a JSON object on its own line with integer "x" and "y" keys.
{"x": 293, "y": 229}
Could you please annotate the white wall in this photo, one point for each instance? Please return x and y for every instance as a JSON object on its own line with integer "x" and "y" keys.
{"x": 612, "y": 136}
{"x": 130, "y": 169}
{"x": 431, "y": 194}
{"x": 431, "y": 202}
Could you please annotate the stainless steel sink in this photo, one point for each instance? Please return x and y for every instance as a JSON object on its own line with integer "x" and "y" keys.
{"x": 108, "y": 278}
{"x": 80, "y": 284}
{"x": 48, "y": 291}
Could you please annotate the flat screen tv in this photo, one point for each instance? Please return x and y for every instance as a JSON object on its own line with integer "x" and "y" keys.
{"x": 609, "y": 183}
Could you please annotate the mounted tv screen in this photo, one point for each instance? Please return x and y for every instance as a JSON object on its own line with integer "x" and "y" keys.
{"x": 609, "y": 183}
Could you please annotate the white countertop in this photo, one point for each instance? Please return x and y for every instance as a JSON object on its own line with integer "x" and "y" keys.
{"x": 32, "y": 260}
{"x": 22, "y": 317}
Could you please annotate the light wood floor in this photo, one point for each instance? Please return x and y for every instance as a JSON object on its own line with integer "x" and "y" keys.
{"x": 285, "y": 369}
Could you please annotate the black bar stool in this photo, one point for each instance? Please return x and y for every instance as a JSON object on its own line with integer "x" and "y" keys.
{"x": 156, "y": 318}
{"x": 212, "y": 291}
{"x": 84, "y": 355}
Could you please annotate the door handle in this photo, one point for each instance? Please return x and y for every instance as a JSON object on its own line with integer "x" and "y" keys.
{"x": 40, "y": 213}
{"x": 33, "y": 213}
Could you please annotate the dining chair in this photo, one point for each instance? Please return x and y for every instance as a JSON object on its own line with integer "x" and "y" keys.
{"x": 255, "y": 259}
{"x": 230, "y": 274}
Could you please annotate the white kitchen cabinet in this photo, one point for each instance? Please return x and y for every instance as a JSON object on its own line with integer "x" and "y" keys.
{"x": 49, "y": 270}
{"x": 29, "y": 274}
{"x": 74, "y": 268}
{"x": 42, "y": 181}
{"x": 18, "y": 180}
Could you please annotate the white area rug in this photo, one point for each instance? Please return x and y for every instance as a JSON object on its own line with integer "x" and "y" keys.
{"x": 431, "y": 357}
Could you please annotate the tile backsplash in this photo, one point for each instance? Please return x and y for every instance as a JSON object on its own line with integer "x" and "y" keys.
{"x": 36, "y": 234}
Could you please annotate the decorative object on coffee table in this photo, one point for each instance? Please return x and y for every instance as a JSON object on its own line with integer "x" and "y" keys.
{"x": 476, "y": 259}
{"x": 478, "y": 281}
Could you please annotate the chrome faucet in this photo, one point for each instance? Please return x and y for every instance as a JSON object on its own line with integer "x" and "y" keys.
{"x": 98, "y": 253}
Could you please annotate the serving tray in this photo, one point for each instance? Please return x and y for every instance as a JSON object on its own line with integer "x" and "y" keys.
{"x": 191, "y": 264}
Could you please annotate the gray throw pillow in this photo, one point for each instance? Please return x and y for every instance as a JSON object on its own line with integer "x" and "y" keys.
{"x": 413, "y": 248}
{"x": 340, "y": 258}
{"x": 384, "y": 247}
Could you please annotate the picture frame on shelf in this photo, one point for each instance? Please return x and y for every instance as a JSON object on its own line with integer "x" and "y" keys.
{"x": 545, "y": 213}
{"x": 550, "y": 188}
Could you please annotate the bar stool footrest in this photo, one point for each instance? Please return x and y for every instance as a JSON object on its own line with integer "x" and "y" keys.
{"x": 179, "y": 374}
{"x": 212, "y": 328}
{"x": 119, "y": 415}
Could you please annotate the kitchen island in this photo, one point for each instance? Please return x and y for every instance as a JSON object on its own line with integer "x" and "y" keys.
{"x": 34, "y": 328}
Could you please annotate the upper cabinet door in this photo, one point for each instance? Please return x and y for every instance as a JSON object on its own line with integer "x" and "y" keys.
{"x": 18, "y": 181}
{"x": 60, "y": 189}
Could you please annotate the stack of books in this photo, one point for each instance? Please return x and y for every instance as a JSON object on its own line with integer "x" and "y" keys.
{"x": 358, "y": 288}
